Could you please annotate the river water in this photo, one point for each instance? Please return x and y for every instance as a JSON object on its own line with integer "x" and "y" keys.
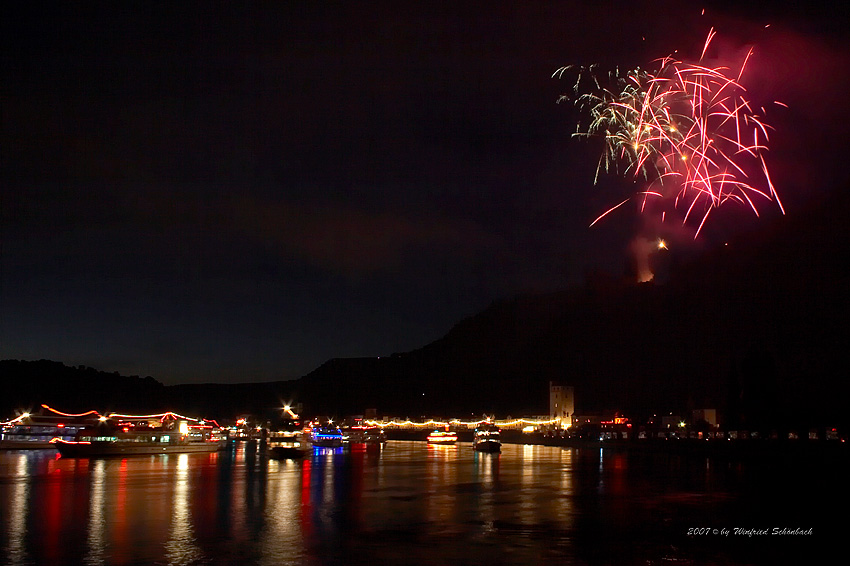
{"x": 413, "y": 503}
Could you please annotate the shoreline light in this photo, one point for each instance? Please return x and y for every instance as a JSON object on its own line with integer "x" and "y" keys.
{"x": 458, "y": 422}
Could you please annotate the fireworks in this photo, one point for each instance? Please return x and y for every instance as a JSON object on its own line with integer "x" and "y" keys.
{"x": 686, "y": 129}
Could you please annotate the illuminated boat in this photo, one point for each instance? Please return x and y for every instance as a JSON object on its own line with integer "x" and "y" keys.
{"x": 326, "y": 436}
{"x": 288, "y": 442}
{"x": 36, "y": 430}
{"x": 365, "y": 435}
{"x": 442, "y": 437}
{"x": 487, "y": 438}
{"x": 126, "y": 435}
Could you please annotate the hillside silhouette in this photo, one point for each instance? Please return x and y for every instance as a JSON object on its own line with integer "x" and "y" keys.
{"x": 756, "y": 329}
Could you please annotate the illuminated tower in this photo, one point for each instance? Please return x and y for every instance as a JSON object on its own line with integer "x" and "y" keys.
{"x": 562, "y": 403}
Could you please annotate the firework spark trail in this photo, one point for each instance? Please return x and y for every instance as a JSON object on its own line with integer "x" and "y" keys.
{"x": 684, "y": 122}
{"x": 612, "y": 209}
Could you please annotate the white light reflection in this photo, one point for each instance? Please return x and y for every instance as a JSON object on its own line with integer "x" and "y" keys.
{"x": 486, "y": 500}
{"x": 181, "y": 548}
{"x": 527, "y": 502}
{"x": 440, "y": 473}
{"x": 600, "y": 485}
{"x": 485, "y": 468}
{"x": 97, "y": 520}
{"x": 567, "y": 472}
{"x": 328, "y": 484}
{"x": 239, "y": 493}
{"x": 564, "y": 508}
{"x": 324, "y": 511}
{"x": 280, "y": 541}
{"x": 16, "y": 550}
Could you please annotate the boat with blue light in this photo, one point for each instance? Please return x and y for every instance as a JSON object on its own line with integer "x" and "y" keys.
{"x": 325, "y": 436}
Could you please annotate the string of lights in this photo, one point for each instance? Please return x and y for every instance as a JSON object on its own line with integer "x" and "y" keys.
{"x": 458, "y": 422}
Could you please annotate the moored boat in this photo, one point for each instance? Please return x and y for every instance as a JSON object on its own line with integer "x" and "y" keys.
{"x": 288, "y": 442}
{"x": 362, "y": 434}
{"x": 125, "y": 435}
{"x": 36, "y": 430}
{"x": 442, "y": 437}
{"x": 325, "y": 436}
{"x": 487, "y": 438}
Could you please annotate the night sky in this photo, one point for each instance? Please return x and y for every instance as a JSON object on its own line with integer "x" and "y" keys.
{"x": 220, "y": 192}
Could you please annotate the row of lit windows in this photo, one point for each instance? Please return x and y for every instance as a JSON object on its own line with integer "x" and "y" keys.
{"x": 30, "y": 437}
{"x": 125, "y": 439}
{"x": 26, "y": 429}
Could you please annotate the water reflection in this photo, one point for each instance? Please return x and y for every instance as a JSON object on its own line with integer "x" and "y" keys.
{"x": 487, "y": 467}
{"x": 281, "y": 537}
{"x": 16, "y": 552}
{"x": 564, "y": 506}
{"x": 528, "y": 476}
{"x": 95, "y": 555}
{"x": 181, "y": 547}
{"x": 408, "y": 502}
{"x": 440, "y": 476}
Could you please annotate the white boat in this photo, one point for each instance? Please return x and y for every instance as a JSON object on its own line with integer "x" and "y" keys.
{"x": 288, "y": 442}
{"x": 362, "y": 434}
{"x": 36, "y": 430}
{"x": 125, "y": 435}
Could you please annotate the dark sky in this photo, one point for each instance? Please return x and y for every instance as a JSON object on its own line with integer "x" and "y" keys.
{"x": 229, "y": 192}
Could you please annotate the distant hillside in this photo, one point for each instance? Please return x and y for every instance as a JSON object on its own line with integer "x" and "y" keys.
{"x": 72, "y": 389}
{"x": 27, "y": 384}
{"x": 757, "y": 330}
